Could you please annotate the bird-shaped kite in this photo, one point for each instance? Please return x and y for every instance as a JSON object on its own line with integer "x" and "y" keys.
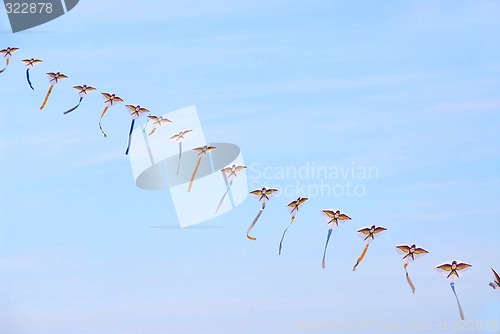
{"x": 451, "y": 271}
{"x": 263, "y": 195}
{"x": 109, "y": 100}
{"x": 409, "y": 254}
{"x": 496, "y": 281}
{"x": 334, "y": 219}
{"x": 293, "y": 208}
{"x": 158, "y": 121}
{"x": 179, "y": 138}
{"x": 54, "y": 80}
{"x": 135, "y": 112}
{"x": 30, "y": 63}
{"x": 7, "y": 54}
{"x": 230, "y": 173}
{"x": 82, "y": 91}
{"x": 367, "y": 234}
{"x": 202, "y": 151}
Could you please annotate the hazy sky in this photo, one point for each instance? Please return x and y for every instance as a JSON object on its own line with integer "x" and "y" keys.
{"x": 407, "y": 90}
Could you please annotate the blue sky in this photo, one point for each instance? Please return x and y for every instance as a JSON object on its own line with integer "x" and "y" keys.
{"x": 408, "y": 88}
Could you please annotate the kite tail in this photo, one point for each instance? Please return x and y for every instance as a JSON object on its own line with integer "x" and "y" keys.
{"x": 72, "y": 109}
{"x": 326, "y": 245}
{"x": 46, "y": 97}
{"x": 152, "y": 131}
{"x": 284, "y": 232}
{"x": 255, "y": 221}
{"x": 100, "y": 119}
{"x": 410, "y": 283}
{"x": 180, "y": 153}
{"x": 6, "y": 64}
{"x": 130, "y": 136}
{"x": 194, "y": 174}
{"x": 28, "y": 78}
{"x": 458, "y": 302}
{"x": 222, "y": 199}
{"x": 361, "y": 257}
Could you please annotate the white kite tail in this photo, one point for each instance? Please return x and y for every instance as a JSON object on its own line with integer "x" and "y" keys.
{"x": 222, "y": 198}
{"x": 408, "y": 279}
{"x": 255, "y": 221}
{"x": 458, "y": 302}
{"x": 180, "y": 155}
{"x": 284, "y": 232}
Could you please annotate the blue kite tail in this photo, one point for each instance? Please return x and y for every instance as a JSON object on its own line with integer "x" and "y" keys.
{"x": 28, "y": 78}
{"x": 68, "y": 111}
{"x": 326, "y": 245}
{"x": 130, "y": 136}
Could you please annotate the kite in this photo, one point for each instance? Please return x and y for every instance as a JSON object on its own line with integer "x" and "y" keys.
{"x": 109, "y": 101}
{"x": 409, "y": 254}
{"x": 230, "y": 173}
{"x": 334, "y": 219}
{"x": 7, "y": 54}
{"x": 54, "y": 80}
{"x": 263, "y": 195}
{"x": 178, "y": 138}
{"x": 293, "y": 208}
{"x": 202, "y": 151}
{"x": 135, "y": 112}
{"x": 30, "y": 63}
{"x": 157, "y": 122}
{"x": 368, "y": 235}
{"x": 82, "y": 91}
{"x": 496, "y": 282}
{"x": 451, "y": 271}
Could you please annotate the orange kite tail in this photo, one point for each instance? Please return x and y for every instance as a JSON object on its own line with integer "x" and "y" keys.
{"x": 46, "y": 97}
{"x": 361, "y": 257}
{"x": 194, "y": 174}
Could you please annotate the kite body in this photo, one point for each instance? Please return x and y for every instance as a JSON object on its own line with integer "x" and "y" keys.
{"x": 333, "y": 218}
{"x": 30, "y": 63}
{"x": 202, "y": 151}
{"x": 109, "y": 101}
{"x": 54, "y": 79}
{"x": 410, "y": 254}
{"x": 293, "y": 208}
{"x": 135, "y": 113}
{"x": 230, "y": 173}
{"x": 179, "y": 138}
{"x": 367, "y": 234}
{"x": 7, "y": 54}
{"x": 453, "y": 271}
{"x": 158, "y": 121}
{"x": 263, "y": 196}
{"x": 82, "y": 92}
